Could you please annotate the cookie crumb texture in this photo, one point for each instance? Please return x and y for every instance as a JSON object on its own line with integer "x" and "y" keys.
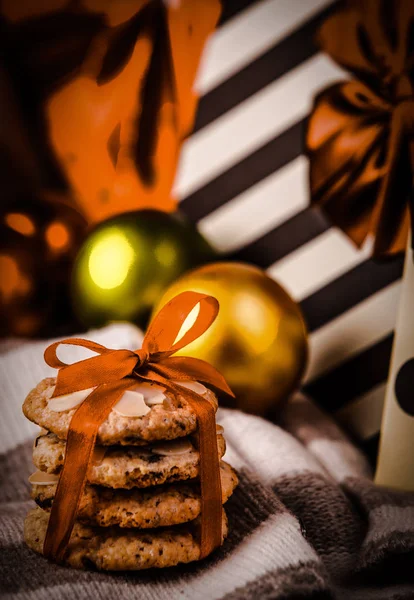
{"x": 113, "y": 549}
{"x": 161, "y": 506}
{"x": 125, "y": 467}
{"x": 172, "y": 419}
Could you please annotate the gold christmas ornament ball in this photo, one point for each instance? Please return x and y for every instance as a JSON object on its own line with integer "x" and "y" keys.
{"x": 259, "y": 339}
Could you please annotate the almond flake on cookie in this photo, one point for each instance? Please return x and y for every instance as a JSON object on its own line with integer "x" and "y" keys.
{"x": 195, "y": 386}
{"x": 131, "y": 404}
{"x": 68, "y": 401}
{"x": 41, "y": 478}
{"x": 153, "y": 393}
{"x": 173, "y": 448}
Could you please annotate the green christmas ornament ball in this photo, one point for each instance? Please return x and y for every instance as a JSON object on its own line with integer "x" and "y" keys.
{"x": 127, "y": 262}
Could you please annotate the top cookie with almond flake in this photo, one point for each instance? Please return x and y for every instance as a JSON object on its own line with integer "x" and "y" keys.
{"x": 145, "y": 414}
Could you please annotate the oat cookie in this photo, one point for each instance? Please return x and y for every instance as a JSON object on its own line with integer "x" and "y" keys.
{"x": 172, "y": 419}
{"x": 161, "y": 506}
{"x": 127, "y": 466}
{"x": 115, "y": 549}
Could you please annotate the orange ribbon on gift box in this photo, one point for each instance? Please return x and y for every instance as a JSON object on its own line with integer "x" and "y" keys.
{"x": 111, "y": 373}
{"x": 360, "y": 134}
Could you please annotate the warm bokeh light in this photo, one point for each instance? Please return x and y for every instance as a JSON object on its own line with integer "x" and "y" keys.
{"x": 12, "y": 282}
{"x": 110, "y": 260}
{"x": 58, "y": 236}
{"x": 20, "y": 223}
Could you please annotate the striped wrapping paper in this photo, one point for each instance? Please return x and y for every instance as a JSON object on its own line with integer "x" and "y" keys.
{"x": 243, "y": 179}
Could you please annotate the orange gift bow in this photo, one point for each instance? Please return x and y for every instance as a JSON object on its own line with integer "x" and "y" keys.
{"x": 111, "y": 373}
{"x": 360, "y": 134}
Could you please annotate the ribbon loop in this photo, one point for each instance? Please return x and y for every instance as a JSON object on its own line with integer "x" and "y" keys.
{"x": 112, "y": 372}
{"x": 161, "y": 337}
{"x": 52, "y": 359}
{"x": 108, "y": 367}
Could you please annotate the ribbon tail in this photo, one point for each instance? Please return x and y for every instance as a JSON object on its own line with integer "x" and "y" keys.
{"x": 210, "y": 480}
{"x": 80, "y": 443}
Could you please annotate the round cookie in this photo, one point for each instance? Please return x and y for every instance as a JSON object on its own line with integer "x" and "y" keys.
{"x": 126, "y": 466}
{"x": 172, "y": 419}
{"x": 114, "y": 549}
{"x": 159, "y": 507}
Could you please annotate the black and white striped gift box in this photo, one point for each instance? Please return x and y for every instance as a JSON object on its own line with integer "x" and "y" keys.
{"x": 243, "y": 179}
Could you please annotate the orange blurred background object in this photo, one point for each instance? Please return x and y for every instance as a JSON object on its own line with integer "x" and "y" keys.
{"x": 99, "y": 96}
{"x": 39, "y": 239}
{"x": 118, "y": 126}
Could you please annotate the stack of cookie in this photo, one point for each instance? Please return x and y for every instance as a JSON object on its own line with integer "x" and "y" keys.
{"x": 140, "y": 507}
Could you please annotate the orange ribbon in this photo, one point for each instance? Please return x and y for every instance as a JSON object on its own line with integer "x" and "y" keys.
{"x": 111, "y": 373}
{"x": 360, "y": 133}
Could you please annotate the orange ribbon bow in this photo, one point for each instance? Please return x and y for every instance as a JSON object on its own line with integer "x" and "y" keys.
{"x": 360, "y": 134}
{"x": 111, "y": 373}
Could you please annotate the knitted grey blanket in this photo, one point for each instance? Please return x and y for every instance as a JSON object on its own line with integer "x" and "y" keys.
{"x": 305, "y": 522}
